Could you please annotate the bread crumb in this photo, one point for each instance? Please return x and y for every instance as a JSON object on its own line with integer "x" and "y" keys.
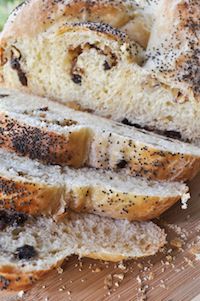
{"x": 169, "y": 258}
{"x": 180, "y": 231}
{"x": 83, "y": 280}
{"x": 117, "y": 284}
{"x": 59, "y": 270}
{"x": 119, "y": 276}
{"x": 176, "y": 243}
{"x": 108, "y": 281}
{"x": 62, "y": 288}
{"x": 97, "y": 270}
{"x": 140, "y": 266}
{"x": 121, "y": 266}
{"x": 184, "y": 200}
{"x": 150, "y": 276}
{"x": 189, "y": 262}
{"x": 20, "y": 294}
{"x": 139, "y": 280}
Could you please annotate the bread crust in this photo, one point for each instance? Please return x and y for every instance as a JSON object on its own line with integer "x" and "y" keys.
{"x": 31, "y": 198}
{"x": 47, "y": 12}
{"x": 141, "y": 159}
{"x": 119, "y": 205}
{"x": 38, "y": 143}
{"x": 36, "y": 199}
{"x": 12, "y": 278}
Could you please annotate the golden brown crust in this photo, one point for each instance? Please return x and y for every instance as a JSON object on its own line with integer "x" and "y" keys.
{"x": 36, "y": 199}
{"x": 44, "y": 145}
{"x": 106, "y": 257}
{"x": 19, "y": 281}
{"x": 31, "y": 198}
{"x": 142, "y": 160}
{"x": 12, "y": 278}
{"x": 118, "y": 204}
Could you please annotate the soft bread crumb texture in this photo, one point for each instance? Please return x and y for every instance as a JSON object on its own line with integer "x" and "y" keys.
{"x": 80, "y": 234}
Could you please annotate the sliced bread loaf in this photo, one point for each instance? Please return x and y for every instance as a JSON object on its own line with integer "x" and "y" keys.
{"x": 101, "y": 69}
{"x": 44, "y": 130}
{"x": 31, "y": 247}
{"x": 31, "y": 187}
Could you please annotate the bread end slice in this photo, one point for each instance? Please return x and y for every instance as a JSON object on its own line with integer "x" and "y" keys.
{"x": 26, "y": 254}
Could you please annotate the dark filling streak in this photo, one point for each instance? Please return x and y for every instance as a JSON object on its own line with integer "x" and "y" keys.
{"x": 168, "y": 134}
{"x": 15, "y": 65}
{"x": 25, "y": 252}
{"x": 77, "y": 73}
{"x": 11, "y": 219}
{"x": 4, "y": 95}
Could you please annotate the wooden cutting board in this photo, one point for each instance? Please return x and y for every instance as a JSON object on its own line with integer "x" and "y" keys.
{"x": 172, "y": 275}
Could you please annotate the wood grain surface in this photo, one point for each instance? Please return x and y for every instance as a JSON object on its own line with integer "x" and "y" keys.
{"x": 172, "y": 275}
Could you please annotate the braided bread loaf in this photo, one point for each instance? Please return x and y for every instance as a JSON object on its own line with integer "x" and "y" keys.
{"x": 62, "y": 53}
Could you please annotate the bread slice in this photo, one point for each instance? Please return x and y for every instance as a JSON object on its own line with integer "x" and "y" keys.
{"x": 31, "y": 247}
{"x": 30, "y": 187}
{"x": 98, "y": 67}
{"x": 56, "y": 134}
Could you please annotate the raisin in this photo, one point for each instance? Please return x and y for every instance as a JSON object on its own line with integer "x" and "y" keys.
{"x": 25, "y": 252}
{"x": 77, "y": 79}
{"x": 17, "y": 219}
{"x": 122, "y": 164}
{"x": 11, "y": 219}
